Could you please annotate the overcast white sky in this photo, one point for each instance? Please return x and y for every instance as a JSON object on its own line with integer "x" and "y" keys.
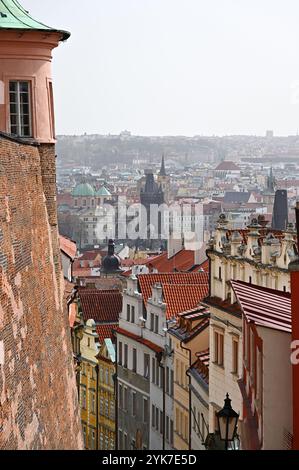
{"x": 175, "y": 67}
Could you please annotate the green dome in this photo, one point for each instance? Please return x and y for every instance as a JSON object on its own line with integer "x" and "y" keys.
{"x": 83, "y": 190}
{"x": 103, "y": 192}
{"x": 14, "y": 16}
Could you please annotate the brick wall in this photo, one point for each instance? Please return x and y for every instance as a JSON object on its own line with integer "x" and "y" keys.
{"x": 38, "y": 397}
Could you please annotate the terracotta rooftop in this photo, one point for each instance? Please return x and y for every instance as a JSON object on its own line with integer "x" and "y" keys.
{"x": 201, "y": 365}
{"x": 147, "y": 281}
{"x": 184, "y": 260}
{"x": 264, "y": 307}
{"x": 102, "y": 306}
{"x": 106, "y": 331}
{"x": 180, "y": 298}
{"x": 68, "y": 247}
{"x": 191, "y": 323}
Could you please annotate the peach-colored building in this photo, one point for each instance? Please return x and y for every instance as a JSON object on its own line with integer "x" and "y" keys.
{"x": 26, "y": 89}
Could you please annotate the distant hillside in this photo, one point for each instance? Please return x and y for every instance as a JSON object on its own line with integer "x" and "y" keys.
{"x": 97, "y": 150}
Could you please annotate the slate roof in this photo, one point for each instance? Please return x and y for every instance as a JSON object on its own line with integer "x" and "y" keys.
{"x": 235, "y": 197}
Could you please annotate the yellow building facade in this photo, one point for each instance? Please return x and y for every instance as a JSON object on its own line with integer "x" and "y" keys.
{"x": 88, "y": 385}
{"x": 106, "y": 396}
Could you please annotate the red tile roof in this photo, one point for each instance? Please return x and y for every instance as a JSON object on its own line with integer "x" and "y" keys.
{"x": 204, "y": 357}
{"x": 201, "y": 365}
{"x": 191, "y": 323}
{"x": 205, "y": 266}
{"x": 68, "y": 246}
{"x": 100, "y": 305}
{"x": 264, "y": 307}
{"x": 184, "y": 260}
{"x": 106, "y": 331}
{"x": 180, "y": 298}
{"x": 141, "y": 340}
{"x": 147, "y": 281}
{"x": 91, "y": 255}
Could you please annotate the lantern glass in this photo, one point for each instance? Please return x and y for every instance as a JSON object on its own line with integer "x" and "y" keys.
{"x": 227, "y": 427}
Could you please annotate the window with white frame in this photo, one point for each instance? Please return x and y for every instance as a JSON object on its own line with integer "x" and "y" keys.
{"x": 20, "y": 108}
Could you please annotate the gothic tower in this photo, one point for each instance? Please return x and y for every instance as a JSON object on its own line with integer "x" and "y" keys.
{"x": 163, "y": 181}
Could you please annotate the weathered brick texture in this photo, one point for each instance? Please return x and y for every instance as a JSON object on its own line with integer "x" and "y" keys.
{"x": 38, "y": 398}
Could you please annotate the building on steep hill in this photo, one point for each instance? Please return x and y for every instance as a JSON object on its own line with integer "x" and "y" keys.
{"x": 37, "y": 381}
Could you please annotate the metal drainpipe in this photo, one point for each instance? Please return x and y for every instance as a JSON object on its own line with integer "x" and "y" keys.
{"x": 97, "y": 407}
{"x": 116, "y": 391}
{"x": 190, "y": 425}
{"x": 164, "y": 407}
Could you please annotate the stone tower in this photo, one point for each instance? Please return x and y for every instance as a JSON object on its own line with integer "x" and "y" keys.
{"x": 38, "y": 394}
{"x": 163, "y": 181}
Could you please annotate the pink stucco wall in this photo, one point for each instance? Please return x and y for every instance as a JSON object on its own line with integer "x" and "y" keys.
{"x": 27, "y": 56}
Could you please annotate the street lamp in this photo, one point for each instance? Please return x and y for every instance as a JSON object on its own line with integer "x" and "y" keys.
{"x": 227, "y": 422}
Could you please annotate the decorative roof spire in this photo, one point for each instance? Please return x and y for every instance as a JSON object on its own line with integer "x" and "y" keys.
{"x": 271, "y": 182}
{"x": 14, "y": 16}
{"x": 163, "y": 170}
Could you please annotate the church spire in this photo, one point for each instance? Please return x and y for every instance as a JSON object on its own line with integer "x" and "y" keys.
{"x": 163, "y": 170}
{"x": 271, "y": 182}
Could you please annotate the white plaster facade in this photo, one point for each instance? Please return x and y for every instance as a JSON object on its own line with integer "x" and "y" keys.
{"x": 136, "y": 320}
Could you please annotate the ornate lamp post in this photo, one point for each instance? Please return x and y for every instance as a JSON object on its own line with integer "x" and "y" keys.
{"x": 227, "y": 422}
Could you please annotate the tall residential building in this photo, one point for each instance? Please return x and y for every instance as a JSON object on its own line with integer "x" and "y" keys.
{"x": 257, "y": 256}
{"x": 145, "y": 356}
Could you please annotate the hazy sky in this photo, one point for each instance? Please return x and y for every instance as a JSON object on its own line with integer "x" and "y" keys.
{"x": 175, "y": 67}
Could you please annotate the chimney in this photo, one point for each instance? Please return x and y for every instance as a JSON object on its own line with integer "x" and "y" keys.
{"x": 294, "y": 271}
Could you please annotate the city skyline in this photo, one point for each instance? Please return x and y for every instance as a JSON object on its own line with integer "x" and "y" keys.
{"x": 209, "y": 69}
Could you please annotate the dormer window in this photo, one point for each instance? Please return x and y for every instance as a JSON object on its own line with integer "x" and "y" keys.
{"x": 20, "y": 108}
